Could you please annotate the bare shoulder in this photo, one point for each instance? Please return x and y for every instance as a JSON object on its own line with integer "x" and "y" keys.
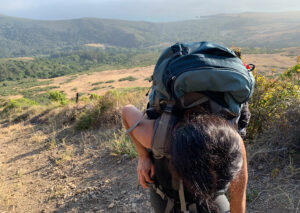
{"x": 144, "y": 131}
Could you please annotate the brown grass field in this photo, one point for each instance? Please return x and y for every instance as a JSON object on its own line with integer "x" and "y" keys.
{"x": 83, "y": 83}
{"x": 95, "y": 45}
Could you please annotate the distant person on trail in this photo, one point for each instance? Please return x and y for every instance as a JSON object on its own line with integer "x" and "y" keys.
{"x": 189, "y": 141}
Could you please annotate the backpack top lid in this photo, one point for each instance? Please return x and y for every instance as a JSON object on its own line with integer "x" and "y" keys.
{"x": 201, "y": 67}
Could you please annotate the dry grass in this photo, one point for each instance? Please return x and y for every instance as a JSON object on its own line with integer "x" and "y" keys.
{"x": 86, "y": 82}
{"x": 20, "y": 58}
{"x": 38, "y": 137}
{"x": 268, "y": 63}
{"x": 95, "y": 45}
{"x": 120, "y": 144}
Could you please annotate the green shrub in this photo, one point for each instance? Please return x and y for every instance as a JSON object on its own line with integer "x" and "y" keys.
{"x": 109, "y": 81}
{"x": 58, "y": 97}
{"x": 94, "y": 96}
{"x": 100, "y": 113}
{"x": 97, "y": 83}
{"x": 96, "y": 88}
{"x": 17, "y": 105}
{"x": 128, "y": 78}
{"x": 292, "y": 74}
{"x": 271, "y": 99}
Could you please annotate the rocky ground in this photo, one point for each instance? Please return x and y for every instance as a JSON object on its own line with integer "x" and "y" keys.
{"x": 76, "y": 174}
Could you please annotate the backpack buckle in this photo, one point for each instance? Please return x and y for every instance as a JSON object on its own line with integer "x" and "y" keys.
{"x": 177, "y": 50}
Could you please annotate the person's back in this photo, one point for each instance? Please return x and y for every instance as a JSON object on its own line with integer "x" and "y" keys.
{"x": 206, "y": 153}
{"x": 186, "y": 77}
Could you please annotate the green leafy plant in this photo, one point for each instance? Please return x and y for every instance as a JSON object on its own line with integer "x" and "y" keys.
{"x": 100, "y": 113}
{"x": 95, "y": 88}
{"x": 128, "y": 78}
{"x": 271, "y": 99}
{"x": 58, "y": 97}
{"x": 94, "y": 96}
{"x": 97, "y": 83}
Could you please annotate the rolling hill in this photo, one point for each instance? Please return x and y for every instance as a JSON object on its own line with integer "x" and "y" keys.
{"x": 24, "y": 37}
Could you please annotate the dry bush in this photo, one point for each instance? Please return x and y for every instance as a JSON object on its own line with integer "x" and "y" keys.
{"x": 63, "y": 115}
{"x": 101, "y": 112}
{"x": 280, "y": 139}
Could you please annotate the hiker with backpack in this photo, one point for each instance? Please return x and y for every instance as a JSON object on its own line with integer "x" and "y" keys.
{"x": 189, "y": 148}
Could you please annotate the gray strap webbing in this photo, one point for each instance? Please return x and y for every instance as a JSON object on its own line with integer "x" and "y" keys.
{"x": 135, "y": 125}
{"x": 170, "y": 203}
{"x": 181, "y": 197}
{"x": 159, "y": 192}
{"x": 161, "y": 137}
{"x": 169, "y": 206}
{"x": 220, "y": 200}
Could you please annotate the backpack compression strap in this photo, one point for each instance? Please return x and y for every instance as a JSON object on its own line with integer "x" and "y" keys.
{"x": 170, "y": 201}
{"x": 162, "y": 131}
{"x": 220, "y": 200}
{"x": 181, "y": 197}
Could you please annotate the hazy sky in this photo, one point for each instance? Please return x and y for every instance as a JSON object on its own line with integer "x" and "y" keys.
{"x": 150, "y": 10}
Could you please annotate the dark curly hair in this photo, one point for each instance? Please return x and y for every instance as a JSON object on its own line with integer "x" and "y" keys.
{"x": 206, "y": 153}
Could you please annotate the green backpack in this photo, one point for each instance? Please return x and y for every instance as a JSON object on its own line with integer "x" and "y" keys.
{"x": 201, "y": 67}
{"x": 190, "y": 74}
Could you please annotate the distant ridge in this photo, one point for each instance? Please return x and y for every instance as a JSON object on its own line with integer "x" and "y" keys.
{"x": 25, "y": 37}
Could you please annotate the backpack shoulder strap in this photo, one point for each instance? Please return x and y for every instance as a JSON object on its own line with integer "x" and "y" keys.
{"x": 162, "y": 131}
{"x": 181, "y": 197}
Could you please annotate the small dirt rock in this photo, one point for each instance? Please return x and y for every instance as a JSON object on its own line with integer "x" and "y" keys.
{"x": 110, "y": 206}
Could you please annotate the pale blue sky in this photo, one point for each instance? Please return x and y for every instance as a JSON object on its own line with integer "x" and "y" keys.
{"x": 149, "y": 10}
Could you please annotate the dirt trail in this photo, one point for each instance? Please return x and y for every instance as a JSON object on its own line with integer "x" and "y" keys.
{"x": 77, "y": 175}
{"x": 44, "y": 169}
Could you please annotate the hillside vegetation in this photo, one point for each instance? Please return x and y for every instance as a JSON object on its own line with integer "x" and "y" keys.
{"x": 61, "y": 64}
{"x": 23, "y": 37}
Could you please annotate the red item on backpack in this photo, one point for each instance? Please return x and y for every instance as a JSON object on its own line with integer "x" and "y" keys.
{"x": 247, "y": 66}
